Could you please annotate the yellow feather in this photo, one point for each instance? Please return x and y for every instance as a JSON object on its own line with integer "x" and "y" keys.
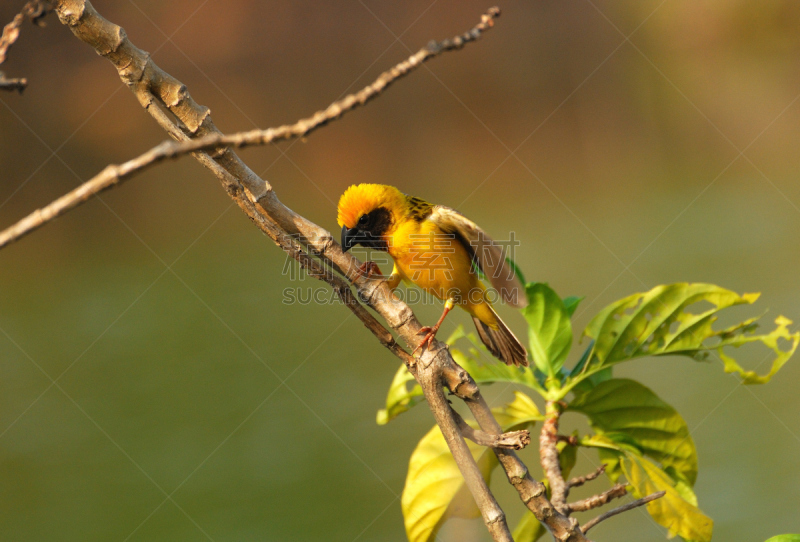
{"x": 434, "y": 259}
{"x": 360, "y": 199}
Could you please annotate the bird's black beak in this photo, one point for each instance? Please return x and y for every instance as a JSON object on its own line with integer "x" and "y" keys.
{"x": 350, "y": 238}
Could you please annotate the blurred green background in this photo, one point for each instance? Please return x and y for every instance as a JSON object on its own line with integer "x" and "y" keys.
{"x": 158, "y": 308}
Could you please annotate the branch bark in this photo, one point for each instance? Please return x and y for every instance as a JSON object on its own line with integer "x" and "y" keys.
{"x": 624, "y": 508}
{"x": 548, "y": 454}
{"x": 580, "y": 480}
{"x": 190, "y": 124}
{"x": 597, "y": 501}
{"x": 513, "y": 440}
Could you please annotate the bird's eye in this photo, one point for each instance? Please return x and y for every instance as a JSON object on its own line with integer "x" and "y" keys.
{"x": 363, "y": 220}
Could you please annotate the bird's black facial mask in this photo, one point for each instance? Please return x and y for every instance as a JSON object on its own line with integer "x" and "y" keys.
{"x": 369, "y": 232}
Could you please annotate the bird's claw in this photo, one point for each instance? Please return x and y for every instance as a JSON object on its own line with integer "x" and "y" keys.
{"x": 428, "y": 339}
{"x": 367, "y": 269}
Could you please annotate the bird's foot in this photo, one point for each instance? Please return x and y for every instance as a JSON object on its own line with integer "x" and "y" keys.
{"x": 428, "y": 339}
{"x": 367, "y": 269}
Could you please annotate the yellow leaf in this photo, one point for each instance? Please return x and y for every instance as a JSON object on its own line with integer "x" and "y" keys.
{"x": 671, "y": 511}
{"x": 435, "y": 490}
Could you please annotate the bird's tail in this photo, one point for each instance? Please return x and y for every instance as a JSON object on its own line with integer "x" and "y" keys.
{"x": 502, "y": 343}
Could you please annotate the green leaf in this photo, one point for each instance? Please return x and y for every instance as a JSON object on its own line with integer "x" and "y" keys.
{"x": 435, "y": 490}
{"x": 583, "y": 359}
{"x": 571, "y": 303}
{"x": 521, "y": 411}
{"x": 567, "y": 456}
{"x": 625, "y": 411}
{"x": 783, "y": 538}
{"x": 400, "y": 397}
{"x": 671, "y": 511}
{"x": 677, "y": 510}
{"x": 488, "y": 371}
{"x": 529, "y": 529}
{"x": 662, "y": 322}
{"x": 550, "y": 331}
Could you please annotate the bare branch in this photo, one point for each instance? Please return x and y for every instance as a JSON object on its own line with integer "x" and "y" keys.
{"x": 512, "y": 440}
{"x": 597, "y": 501}
{"x": 34, "y": 10}
{"x": 12, "y": 84}
{"x": 580, "y": 480}
{"x": 624, "y": 508}
{"x": 548, "y": 454}
{"x": 115, "y": 175}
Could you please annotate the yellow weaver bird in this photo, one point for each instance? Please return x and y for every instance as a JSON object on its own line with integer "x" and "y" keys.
{"x": 438, "y": 249}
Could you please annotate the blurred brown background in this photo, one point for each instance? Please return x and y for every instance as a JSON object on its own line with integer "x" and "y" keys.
{"x": 671, "y": 157}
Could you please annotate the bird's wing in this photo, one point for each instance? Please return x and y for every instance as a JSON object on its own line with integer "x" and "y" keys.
{"x": 489, "y": 255}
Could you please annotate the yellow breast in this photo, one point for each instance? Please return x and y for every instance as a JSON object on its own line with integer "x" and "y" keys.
{"x": 435, "y": 261}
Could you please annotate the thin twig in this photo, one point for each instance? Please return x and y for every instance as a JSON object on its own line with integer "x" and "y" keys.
{"x": 18, "y": 84}
{"x": 580, "y": 480}
{"x": 597, "y": 501}
{"x": 493, "y": 515}
{"x": 116, "y": 174}
{"x": 624, "y": 508}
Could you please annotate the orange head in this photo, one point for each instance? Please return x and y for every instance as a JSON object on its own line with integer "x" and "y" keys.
{"x": 368, "y": 212}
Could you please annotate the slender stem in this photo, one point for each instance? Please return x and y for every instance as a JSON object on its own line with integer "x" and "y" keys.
{"x": 580, "y": 480}
{"x": 33, "y": 10}
{"x": 597, "y": 501}
{"x": 624, "y": 508}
